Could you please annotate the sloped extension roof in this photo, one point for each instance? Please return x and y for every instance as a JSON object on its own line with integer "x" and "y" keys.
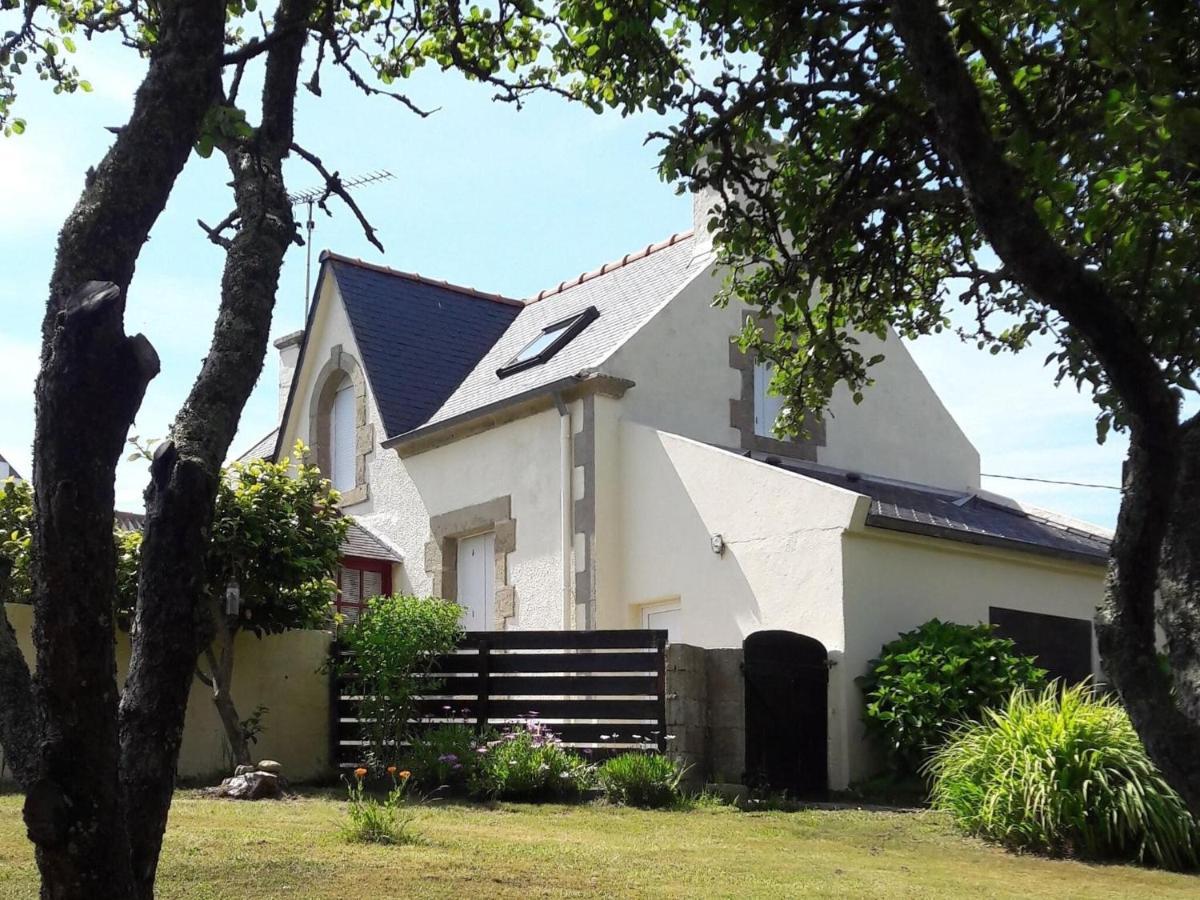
{"x": 418, "y": 338}
{"x": 129, "y": 521}
{"x": 626, "y": 293}
{"x": 12, "y": 473}
{"x": 264, "y": 448}
{"x": 362, "y": 541}
{"x": 971, "y": 519}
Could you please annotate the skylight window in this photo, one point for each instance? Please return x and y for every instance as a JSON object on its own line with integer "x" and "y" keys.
{"x": 549, "y": 341}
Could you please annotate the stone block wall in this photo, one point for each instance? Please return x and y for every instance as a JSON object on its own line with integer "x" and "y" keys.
{"x": 706, "y": 713}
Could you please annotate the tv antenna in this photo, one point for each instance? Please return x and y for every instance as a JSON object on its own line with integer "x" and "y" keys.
{"x": 313, "y": 196}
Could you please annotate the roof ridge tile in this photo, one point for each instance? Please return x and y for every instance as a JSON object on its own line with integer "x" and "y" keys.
{"x": 612, "y": 266}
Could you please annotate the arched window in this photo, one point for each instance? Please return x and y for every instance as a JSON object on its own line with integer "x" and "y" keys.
{"x": 343, "y": 436}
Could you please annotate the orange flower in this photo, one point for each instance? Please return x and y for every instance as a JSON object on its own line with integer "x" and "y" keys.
{"x": 391, "y": 770}
{"x": 405, "y": 775}
{"x": 360, "y": 773}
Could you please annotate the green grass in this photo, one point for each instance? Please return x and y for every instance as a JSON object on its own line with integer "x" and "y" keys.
{"x": 226, "y": 849}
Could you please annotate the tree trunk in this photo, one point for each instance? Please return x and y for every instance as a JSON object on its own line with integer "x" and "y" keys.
{"x": 90, "y": 385}
{"x": 1160, "y": 489}
{"x": 220, "y": 681}
{"x": 170, "y": 622}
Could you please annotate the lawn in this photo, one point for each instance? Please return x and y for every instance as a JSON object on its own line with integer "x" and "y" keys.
{"x": 229, "y": 849}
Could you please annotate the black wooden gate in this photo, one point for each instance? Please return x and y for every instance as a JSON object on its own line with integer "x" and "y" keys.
{"x": 787, "y": 713}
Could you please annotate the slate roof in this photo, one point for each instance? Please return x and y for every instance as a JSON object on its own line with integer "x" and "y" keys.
{"x": 626, "y": 293}
{"x": 263, "y": 449}
{"x": 361, "y": 541}
{"x": 129, "y": 521}
{"x": 12, "y": 473}
{"x": 963, "y": 518}
{"x": 419, "y": 339}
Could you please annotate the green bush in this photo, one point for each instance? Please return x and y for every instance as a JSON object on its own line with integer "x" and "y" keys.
{"x": 641, "y": 779}
{"x": 395, "y": 645}
{"x": 930, "y": 679}
{"x": 528, "y": 762}
{"x": 1063, "y": 772}
{"x": 444, "y": 757}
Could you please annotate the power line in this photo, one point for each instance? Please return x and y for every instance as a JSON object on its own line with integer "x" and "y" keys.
{"x": 1082, "y": 484}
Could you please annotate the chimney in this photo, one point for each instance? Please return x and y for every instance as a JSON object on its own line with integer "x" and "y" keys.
{"x": 289, "y": 354}
{"x": 704, "y": 202}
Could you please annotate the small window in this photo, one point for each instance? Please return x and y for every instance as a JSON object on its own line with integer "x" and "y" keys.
{"x": 342, "y": 437}
{"x": 358, "y": 581}
{"x": 549, "y": 341}
{"x": 1062, "y": 645}
{"x": 767, "y": 406}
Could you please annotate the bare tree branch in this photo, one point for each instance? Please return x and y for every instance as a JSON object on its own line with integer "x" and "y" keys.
{"x": 333, "y": 185}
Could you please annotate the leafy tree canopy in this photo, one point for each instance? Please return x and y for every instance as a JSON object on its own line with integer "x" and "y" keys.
{"x": 841, "y": 214}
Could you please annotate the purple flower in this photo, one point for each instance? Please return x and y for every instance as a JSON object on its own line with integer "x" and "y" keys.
{"x": 447, "y": 758}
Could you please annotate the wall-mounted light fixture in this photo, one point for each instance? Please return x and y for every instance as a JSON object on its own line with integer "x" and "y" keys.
{"x": 718, "y": 544}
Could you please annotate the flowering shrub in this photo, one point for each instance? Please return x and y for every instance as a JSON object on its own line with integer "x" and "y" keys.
{"x": 445, "y": 757}
{"x": 378, "y": 821}
{"x": 528, "y": 762}
{"x": 929, "y": 679}
{"x": 395, "y": 646}
{"x": 641, "y": 779}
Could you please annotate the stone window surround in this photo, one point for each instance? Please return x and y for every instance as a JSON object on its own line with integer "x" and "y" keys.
{"x": 441, "y": 552}
{"x": 339, "y": 365}
{"x": 583, "y": 516}
{"x": 741, "y": 414}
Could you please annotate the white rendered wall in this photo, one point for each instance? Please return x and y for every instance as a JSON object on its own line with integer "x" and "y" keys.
{"x": 782, "y": 565}
{"x": 520, "y": 459}
{"x": 679, "y": 362}
{"x": 895, "y": 582}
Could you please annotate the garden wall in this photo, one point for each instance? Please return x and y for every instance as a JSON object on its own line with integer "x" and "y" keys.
{"x": 706, "y": 713}
{"x": 279, "y": 671}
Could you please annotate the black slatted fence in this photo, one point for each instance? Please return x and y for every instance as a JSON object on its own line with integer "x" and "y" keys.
{"x": 603, "y": 691}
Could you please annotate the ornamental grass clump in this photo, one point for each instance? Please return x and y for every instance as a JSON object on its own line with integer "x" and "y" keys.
{"x": 370, "y": 820}
{"x": 641, "y": 779}
{"x": 528, "y": 763}
{"x": 1063, "y": 772}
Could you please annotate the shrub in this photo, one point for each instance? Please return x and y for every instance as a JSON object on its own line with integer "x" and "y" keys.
{"x": 395, "y": 646}
{"x": 528, "y": 762}
{"x": 375, "y": 821}
{"x": 445, "y": 756}
{"x": 641, "y": 779}
{"x": 930, "y": 679}
{"x": 1063, "y": 772}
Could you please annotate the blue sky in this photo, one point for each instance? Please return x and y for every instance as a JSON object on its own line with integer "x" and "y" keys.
{"x": 485, "y": 195}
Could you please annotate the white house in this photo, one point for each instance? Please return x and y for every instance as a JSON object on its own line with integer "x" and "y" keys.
{"x": 7, "y": 471}
{"x": 600, "y": 455}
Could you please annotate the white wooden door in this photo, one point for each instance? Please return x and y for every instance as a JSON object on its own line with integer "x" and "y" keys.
{"x": 477, "y": 580}
{"x": 667, "y": 617}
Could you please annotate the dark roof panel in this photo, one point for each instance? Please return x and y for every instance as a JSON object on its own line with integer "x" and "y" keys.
{"x": 970, "y": 519}
{"x": 363, "y": 542}
{"x": 419, "y": 339}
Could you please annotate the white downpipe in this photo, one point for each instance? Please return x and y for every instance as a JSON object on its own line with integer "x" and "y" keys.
{"x": 567, "y": 501}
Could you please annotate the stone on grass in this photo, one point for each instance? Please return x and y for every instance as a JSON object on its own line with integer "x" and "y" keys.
{"x": 252, "y": 786}
{"x": 269, "y": 765}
